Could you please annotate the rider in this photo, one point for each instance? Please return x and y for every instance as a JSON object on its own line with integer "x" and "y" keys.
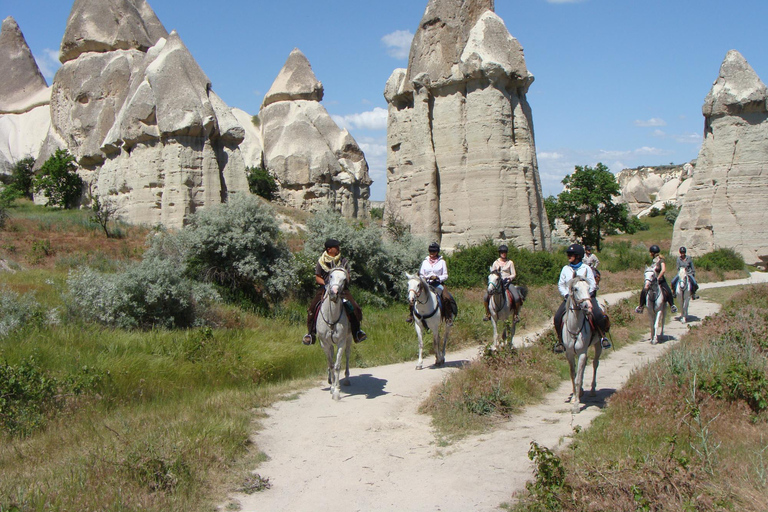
{"x": 686, "y": 261}
{"x": 576, "y": 267}
{"x": 330, "y": 259}
{"x": 435, "y": 272}
{"x": 592, "y": 260}
{"x": 661, "y": 268}
{"x": 507, "y": 270}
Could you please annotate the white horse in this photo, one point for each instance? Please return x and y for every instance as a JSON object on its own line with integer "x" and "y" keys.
{"x": 427, "y": 315}
{"x": 655, "y": 305}
{"x": 683, "y": 290}
{"x": 501, "y": 307}
{"x": 333, "y": 328}
{"x": 578, "y": 336}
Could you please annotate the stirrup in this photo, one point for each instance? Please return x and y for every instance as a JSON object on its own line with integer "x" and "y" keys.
{"x": 605, "y": 342}
{"x": 309, "y": 339}
{"x": 639, "y": 309}
{"x": 487, "y": 317}
{"x": 360, "y": 336}
{"x": 409, "y": 320}
{"x": 559, "y": 348}
{"x": 517, "y": 319}
{"x": 673, "y": 308}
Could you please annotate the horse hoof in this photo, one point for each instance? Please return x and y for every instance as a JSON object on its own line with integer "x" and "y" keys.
{"x": 419, "y": 367}
{"x": 336, "y": 396}
{"x": 576, "y": 409}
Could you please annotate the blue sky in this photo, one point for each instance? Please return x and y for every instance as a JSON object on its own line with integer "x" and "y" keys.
{"x": 617, "y": 81}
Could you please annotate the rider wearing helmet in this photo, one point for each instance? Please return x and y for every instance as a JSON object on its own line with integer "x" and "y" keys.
{"x": 435, "y": 273}
{"x": 329, "y": 260}
{"x": 507, "y": 269}
{"x": 576, "y": 267}
{"x": 592, "y": 260}
{"x": 661, "y": 268}
{"x": 686, "y": 261}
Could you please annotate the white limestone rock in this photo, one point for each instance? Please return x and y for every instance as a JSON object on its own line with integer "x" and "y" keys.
{"x": 645, "y": 188}
{"x": 252, "y": 147}
{"x": 316, "y": 163}
{"x": 24, "y": 99}
{"x": 106, "y": 26}
{"x": 461, "y": 160}
{"x": 727, "y": 203}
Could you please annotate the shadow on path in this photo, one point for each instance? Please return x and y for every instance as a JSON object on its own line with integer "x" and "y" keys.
{"x": 366, "y": 384}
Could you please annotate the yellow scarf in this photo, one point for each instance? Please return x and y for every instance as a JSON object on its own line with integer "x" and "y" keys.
{"x": 327, "y": 262}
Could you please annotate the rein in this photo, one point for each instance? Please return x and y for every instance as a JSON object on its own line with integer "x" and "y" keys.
{"x": 573, "y": 305}
{"x": 498, "y": 289}
{"x": 325, "y": 298}
{"x": 416, "y": 312}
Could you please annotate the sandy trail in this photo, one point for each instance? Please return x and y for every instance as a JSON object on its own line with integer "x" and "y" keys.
{"x": 373, "y": 451}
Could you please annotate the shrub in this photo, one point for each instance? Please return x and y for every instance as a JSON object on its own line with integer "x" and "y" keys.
{"x": 377, "y": 213}
{"x": 59, "y": 181}
{"x": 153, "y": 293}
{"x": 468, "y": 266}
{"x": 720, "y": 260}
{"x": 19, "y": 182}
{"x": 619, "y": 256}
{"x": 261, "y": 182}
{"x": 27, "y": 396}
{"x": 17, "y": 311}
{"x": 670, "y": 212}
{"x": 3, "y": 215}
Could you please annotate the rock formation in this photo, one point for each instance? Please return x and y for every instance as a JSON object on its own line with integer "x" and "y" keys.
{"x": 24, "y": 99}
{"x": 316, "y": 163}
{"x": 461, "y": 158}
{"x": 727, "y": 204}
{"x": 645, "y": 188}
{"x": 138, "y": 113}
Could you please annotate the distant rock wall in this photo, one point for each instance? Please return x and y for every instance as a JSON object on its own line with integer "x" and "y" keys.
{"x": 24, "y": 99}
{"x": 645, "y": 188}
{"x": 727, "y": 204}
{"x": 461, "y": 158}
{"x": 317, "y": 164}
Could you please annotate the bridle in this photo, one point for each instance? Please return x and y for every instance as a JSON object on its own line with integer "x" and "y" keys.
{"x": 333, "y": 299}
{"x": 574, "y": 304}
{"x": 497, "y": 288}
{"x": 417, "y": 294}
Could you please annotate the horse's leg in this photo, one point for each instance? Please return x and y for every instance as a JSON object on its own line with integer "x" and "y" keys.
{"x": 571, "y": 356}
{"x": 595, "y": 364}
{"x": 436, "y": 342}
{"x": 347, "y": 350}
{"x": 578, "y": 382}
{"x": 445, "y": 343}
{"x": 335, "y": 388}
{"x": 495, "y": 330}
{"x": 421, "y": 343}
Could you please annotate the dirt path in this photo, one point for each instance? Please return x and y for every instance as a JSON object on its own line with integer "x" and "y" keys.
{"x": 372, "y": 451}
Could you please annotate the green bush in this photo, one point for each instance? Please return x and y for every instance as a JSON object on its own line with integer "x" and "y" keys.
{"x": 469, "y": 266}
{"x": 618, "y": 256}
{"x": 152, "y": 293}
{"x": 720, "y": 260}
{"x": 261, "y": 182}
{"x": 59, "y": 181}
{"x": 28, "y": 395}
{"x": 20, "y": 181}
{"x": 670, "y": 212}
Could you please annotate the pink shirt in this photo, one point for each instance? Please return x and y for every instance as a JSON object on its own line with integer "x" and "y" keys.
{"x": 507, "y": 268}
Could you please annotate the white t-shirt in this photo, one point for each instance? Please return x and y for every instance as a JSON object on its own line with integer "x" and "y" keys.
{"x": 567, "y": 274}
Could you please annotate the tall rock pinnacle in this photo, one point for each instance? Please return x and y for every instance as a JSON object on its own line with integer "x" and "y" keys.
{"x": 20, "y": 80}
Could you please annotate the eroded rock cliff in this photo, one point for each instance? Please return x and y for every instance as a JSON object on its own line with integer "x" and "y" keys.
{"x": 461, "y": 160}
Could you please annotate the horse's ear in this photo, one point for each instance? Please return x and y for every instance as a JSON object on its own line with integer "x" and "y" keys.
{"x": 408, "y": 276}
{"x": 490, "y": 269}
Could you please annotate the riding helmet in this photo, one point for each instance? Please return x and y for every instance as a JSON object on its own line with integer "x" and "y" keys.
{"x": 655, "y": 249}
{"x": 575, "y": 249}
{"x": 683, "y": 250}
{"x": 588, "y": 248}
{"x": 434, "y": 247}
{"x": 503, "y": 248}
{"x": 331, "y": 243}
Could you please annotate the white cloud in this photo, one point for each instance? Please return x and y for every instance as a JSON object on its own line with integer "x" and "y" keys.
{"x": 375, "y": 150}
{"x": 398, "y": 43}
{"x": 375, "y": 119}
{"x": 689, "y": 138}
{"x": 659, "y": 133}
{"x": 654, "y": 121}
{"x": 48, "y": 63}
{"x": 544, "y": 155}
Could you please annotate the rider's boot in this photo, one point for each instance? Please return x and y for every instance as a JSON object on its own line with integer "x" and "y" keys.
{"x": 409, "y": 318}
{"x": 487, "y": 312}
{"x": 309, "y": 339}
{"x": 559, "y": 347}
{"x": 639, "y": 309}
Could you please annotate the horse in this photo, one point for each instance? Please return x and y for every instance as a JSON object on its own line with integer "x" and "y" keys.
{"x": 578, "y": 336}
{"x": 683, "y": 290}
{"x": 333, "y": 328}
{"x": 501, "y": 307}
{"x": 655, "y": 305}
{"x": 427, "y": 315}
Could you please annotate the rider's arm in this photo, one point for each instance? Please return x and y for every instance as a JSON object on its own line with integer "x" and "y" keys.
{"x": 319, "y": 275}
{"x": 562, "y": 283}
{"x": 442, "y": 271}
{"x": 512, "y": 272}
{"x": 596, "y": 261}
{"x": 663, "y": 269}
{"x": 590, "y": 277}
{"x": 693, "y": 270}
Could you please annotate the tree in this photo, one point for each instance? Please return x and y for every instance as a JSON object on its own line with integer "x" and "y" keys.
{"x": 261, "y": 182}
{"x": 550, "y": 205}
{"x": 103, "y": 211}
{"x": 59, "y": 181}
{"x": 587, "y": 207}
{"x": 19, "y": 181}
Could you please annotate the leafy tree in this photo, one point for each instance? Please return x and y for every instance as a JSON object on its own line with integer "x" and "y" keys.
{"x": 550, "y": 204}
{"x": 59, "y": 181}
{"x": 20, "y": 181}
{"x": 261, "y": 182}
{"x": 102, "y": 212}
{"x": 586, "y": 205}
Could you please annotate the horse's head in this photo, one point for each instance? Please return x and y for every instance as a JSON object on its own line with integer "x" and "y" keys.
{"x": 337, "y": 279}
{"x": 416, "y": 285}
{"x": 682, "y": 274}
{"x": 650, "y": 276}
{"x": 494, "y": 281}
{"x": 578, "y": 292}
